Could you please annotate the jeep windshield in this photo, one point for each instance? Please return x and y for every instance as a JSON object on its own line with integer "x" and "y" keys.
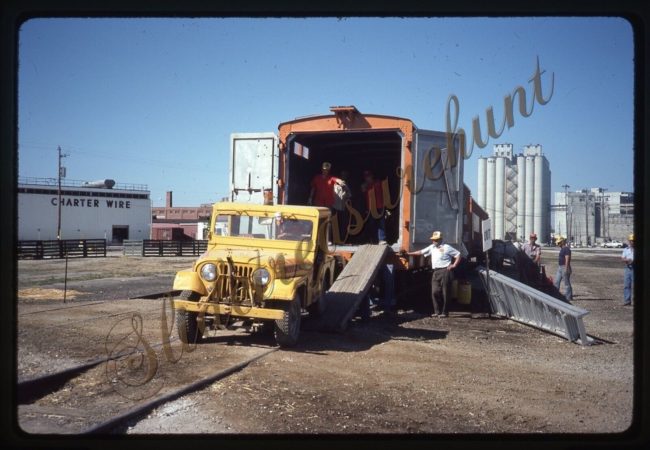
{"x": 278, "y": 226}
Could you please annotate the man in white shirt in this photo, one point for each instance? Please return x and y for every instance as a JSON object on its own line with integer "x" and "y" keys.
{"x": 532, "y": 249}
{"x": 444, "y": 258}
{"x": 628, "y": 279}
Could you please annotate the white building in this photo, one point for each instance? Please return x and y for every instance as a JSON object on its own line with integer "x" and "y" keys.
{"x": 99, "y": 210}
{"x": 591, "y": 216}
{"x": 515, "y": 191}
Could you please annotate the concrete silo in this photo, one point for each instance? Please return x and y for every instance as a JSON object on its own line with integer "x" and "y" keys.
{"x": 499, "y": 197}
{"x": 538, "y": 196}
{"x": 489, "y": 187}
{"x": 529, "y": 196}
{"x": 516, "y": 192}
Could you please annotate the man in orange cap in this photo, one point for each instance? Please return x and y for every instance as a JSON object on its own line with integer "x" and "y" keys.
{"x": 444, "y": 259}
{"x": 533, "y": 249}
{"x": 322, "y": 187}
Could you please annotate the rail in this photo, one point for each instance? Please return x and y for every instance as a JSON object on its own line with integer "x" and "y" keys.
{"x": 516, "y": 301}
{"x": 40, "y": 181}
{"x": 59, "y": 249}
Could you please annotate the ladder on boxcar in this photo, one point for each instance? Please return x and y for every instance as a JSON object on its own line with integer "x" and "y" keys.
{"x": 351, "y": 286}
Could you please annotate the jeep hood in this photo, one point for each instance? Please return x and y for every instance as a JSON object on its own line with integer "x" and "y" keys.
{"x": 261, "y": 257}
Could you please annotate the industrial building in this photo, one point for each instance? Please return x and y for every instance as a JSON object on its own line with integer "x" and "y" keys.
{"x": 171, "y": 222}
{"x": 592, "y": 216}
{"x": 515, "y": 191}
{"x": 89, "y": 210}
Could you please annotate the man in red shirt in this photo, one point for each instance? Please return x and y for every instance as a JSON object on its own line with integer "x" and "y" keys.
{"x": 322, "y": 187}
{"x": 377, "y": 226}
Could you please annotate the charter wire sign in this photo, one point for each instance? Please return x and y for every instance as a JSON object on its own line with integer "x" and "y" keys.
{"x": 486, "y": 234}
{"x": 110, "y": 211}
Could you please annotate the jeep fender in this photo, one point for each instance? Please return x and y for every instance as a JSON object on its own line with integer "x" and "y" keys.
{"x": 285, "y": 288}
{"x": 189, "y": 280}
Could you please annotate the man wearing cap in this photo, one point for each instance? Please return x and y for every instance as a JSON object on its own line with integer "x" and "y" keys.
{"x": 628, "y": 278}
{"x": 322, "y": 187}
{"x": 564, "y": 268}
{"x": 533, "y": 249}
{"x": 444, "y": 258}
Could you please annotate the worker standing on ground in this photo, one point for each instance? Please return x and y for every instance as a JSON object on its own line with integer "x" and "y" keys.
{"x": 628, "y": 278}
{"x": 376, "y": 225}
{"x": 533, "y": 249}
{"x": 444, "y": 258}
{"x": 564, "y": 268}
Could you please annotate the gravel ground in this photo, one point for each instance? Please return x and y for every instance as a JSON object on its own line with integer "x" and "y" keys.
{"x": 409, "y": 374}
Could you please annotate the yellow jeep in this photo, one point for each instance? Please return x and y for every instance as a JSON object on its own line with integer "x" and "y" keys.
{"x": 264, "y": 264}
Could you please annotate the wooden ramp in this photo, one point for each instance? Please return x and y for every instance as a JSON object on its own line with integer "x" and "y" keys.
{"x": 351, "y": 286}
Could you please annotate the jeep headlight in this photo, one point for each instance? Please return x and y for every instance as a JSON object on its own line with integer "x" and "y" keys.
{"x": 209, "y": 272}
{"x": 261, "y": 277}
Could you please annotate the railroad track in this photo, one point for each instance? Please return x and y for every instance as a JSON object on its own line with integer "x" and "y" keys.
{"x": 63, "y": 402}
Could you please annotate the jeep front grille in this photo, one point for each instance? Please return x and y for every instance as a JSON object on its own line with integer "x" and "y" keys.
{"x": 234, "y": 286}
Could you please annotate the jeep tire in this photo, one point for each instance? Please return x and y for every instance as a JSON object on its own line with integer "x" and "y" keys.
{"x": 187, "y": 321}
{"x": 287, "y": 329}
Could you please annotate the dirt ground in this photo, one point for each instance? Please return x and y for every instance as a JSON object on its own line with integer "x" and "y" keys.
{"x": 409, "y": 374}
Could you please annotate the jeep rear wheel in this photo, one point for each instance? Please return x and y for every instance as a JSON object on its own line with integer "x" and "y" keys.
{"x": 189, "y": 331}
{"x": 287, "y": 329}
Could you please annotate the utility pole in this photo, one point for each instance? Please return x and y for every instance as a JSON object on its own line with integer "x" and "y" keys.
{"x": 602, "y": 213}
{"x": 61, "y": 173}
{"x": 566, "y": 208}
{"x": 586, "y": 217}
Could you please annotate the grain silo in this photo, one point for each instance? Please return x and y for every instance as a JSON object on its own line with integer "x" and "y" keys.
{"x": 499, "y": 196}
{"x": 489, "y": 187}
{"x": 515, "y": 192}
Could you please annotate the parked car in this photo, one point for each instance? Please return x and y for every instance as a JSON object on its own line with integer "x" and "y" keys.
{"x": 613, "y": 244}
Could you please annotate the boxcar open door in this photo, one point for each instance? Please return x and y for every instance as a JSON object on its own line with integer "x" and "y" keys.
{"x": 437, "y": 198}
{"x": 253, "y": 167}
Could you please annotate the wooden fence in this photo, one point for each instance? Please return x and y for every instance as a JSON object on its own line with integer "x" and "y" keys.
{"x": 173, "y": 248}
{"x": 58, "y": 249}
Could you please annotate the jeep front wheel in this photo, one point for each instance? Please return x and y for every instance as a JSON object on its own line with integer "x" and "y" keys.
{"x": 287, "y": 329}
{"x": 189, "y": 331}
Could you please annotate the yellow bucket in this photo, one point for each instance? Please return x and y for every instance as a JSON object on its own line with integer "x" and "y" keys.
{"x": 464, "y": 293}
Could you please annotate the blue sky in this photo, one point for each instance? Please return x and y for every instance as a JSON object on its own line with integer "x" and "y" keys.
{"x": 154, "y": 101}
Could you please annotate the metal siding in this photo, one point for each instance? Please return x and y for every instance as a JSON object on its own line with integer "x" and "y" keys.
{"x": 482, "y": 173}
{"x": 431, "y": 208}
{"x": 35, "y": 211}
{"x": 254, "y": 165}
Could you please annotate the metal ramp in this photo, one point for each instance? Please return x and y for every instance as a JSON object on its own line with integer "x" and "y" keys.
{"x": 351, "y": 286}
{"x": 516, "y": 301}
